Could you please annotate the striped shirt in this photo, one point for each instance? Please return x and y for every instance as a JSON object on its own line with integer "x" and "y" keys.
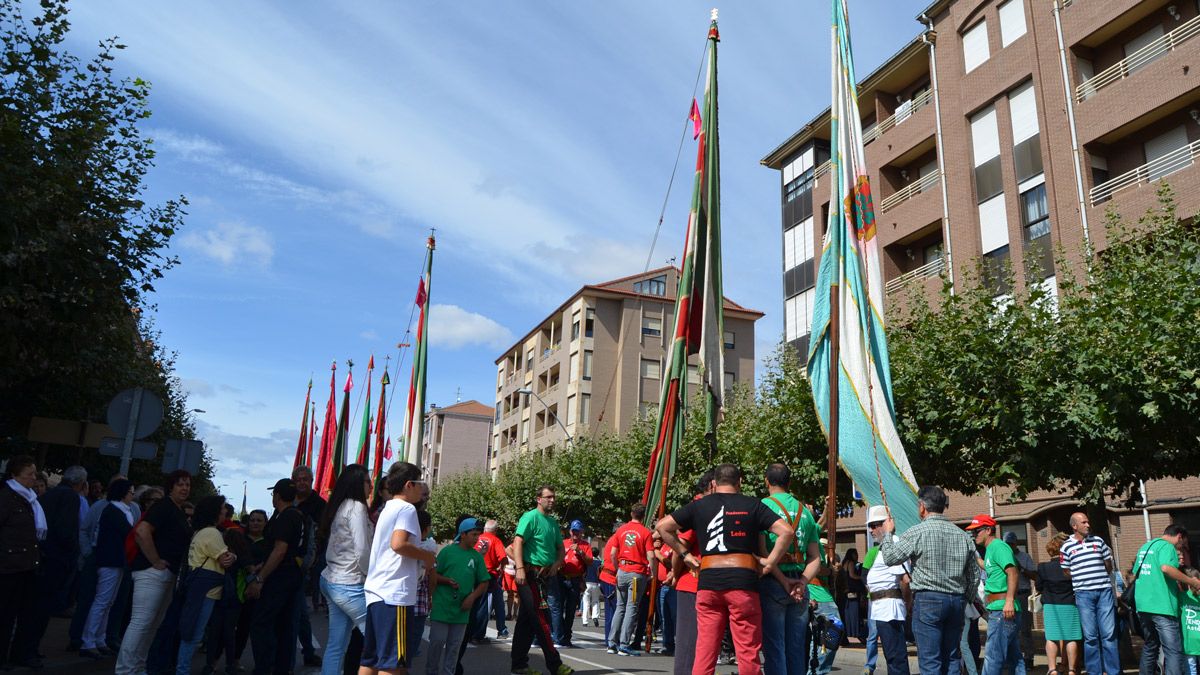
{"x": 1085, "y": 561}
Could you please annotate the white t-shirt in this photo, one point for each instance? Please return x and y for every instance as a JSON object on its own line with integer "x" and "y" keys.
{"x": 882, "y": 577}
{"x": 393, "y": 578}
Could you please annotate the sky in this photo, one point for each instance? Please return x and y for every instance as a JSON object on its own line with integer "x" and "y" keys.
{"x": 318, "y": 143}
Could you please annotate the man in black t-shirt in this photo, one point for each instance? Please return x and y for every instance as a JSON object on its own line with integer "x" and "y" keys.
{"x": 312, "y": 506}
{"x": 727, "y": 525}
{"x": 277, "y": 585}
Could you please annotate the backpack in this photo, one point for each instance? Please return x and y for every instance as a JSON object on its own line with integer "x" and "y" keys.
{"x": 572, "y": 564}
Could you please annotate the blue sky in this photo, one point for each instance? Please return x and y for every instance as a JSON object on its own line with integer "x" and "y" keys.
{"x": 319, "y": 142}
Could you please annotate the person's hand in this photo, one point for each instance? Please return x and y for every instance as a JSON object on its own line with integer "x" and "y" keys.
{"x": 254, "y": 589}
{"x": 765, "y": 566}
{"x": 466, "y": 604}
{"x": 160, "y": 564}
{"x": 448, "y": 581}
{"x": 889, "y": 526}
{"x": 226, "y": 559}
{"x": 670, "y": 580}
{"x": 692, "y": 561}
{"x": 520, "y": 576}
{"x": 1010, "y": 612}
{"x": 553, "y": 569}
{"x": 799, "y": 591}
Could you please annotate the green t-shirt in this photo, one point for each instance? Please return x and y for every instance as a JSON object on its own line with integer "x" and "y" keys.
{"x": 996, "y": 560}
{"x": 806, "y": 527}
{"x": 467, "y": 569}
{"x": 869, "y": 559}
{"x": 540, "y": 537}
{"x": 1189, "y": 622}
{"x": 1155, "y": 593}
{"x": 818, "y": 593}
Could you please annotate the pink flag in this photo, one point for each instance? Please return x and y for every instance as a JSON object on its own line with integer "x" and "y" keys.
{"x": 696, "y": 121}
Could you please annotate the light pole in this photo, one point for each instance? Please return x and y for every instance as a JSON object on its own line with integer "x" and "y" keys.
{"x": 566, "y": 433}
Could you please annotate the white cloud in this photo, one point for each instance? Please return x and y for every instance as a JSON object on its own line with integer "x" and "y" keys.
{"x": 453, "y": 327}
{"x": 198, "y": 388}
{"x": 369, "y": 334}
{"x": 230, "y": 242}
{"x": 257, "y": 460}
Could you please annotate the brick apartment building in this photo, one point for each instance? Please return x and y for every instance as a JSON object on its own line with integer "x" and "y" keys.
{"x": 596, "y": 363}
{"x": 457, "y": 438}
{"x": 1003, "y": 130}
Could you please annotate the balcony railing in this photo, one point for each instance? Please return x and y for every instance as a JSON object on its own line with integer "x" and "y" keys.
{"x": 1137, "y": 60}
{"x": 1151, "y": 171}
{"x": 925, "y": 271}
{"x": 822, "y": 169}
{"x": 911, "y": 190}
{"x": 906, "y": 110}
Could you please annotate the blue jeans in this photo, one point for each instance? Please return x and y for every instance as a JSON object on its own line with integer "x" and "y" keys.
{"x": 829, "y": 610}
{"x": 937, "y": 624}
{"x": 1003, "y": 648}
{"x": 479, "y": 621}
{"x": 562, "y": 596}
{"x": 1098, "y": 617}
{"x": 966, "y": 660}
{"x": 609, "y": 592}
{"x": 895, "y": 647}
{"x": 630, "y": 590}
{"x": 666, "y": 610}
{"x": 784, "y": 630}
{"x": 188, "y": 643}
{"x": 1163, "y": 631}
{"x": 872, "y": 650}
{"x": 347, "y": 609}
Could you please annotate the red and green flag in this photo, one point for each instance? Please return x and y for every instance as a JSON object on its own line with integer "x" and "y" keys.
{"x": 414, "y": 426}
{"x": 324, "y": 482}
{"x": 364, "y": 436}
{"x": 699, "y": 319}
{"x": 381, "y": 439}
{"x": 302, "y": 446}
{"x": 343, "y": 429}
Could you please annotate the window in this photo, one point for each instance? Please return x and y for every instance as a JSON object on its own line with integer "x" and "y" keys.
{"x": 798, "y": 244}
{"x": 585, "y": 408}
{"x": 529, "y": 359}
{"x": 993, "y": 225}
{"x": 651, "y": 369}
{"x": 573, "y": 367}
{"x": 985, "y": 146}
{"x": 589, "y": 323}
{"x": 655, "y": 286}
{"x": 931, "y": 253}
{"x": 652, "y": 326}
{"x": 797, "y": 311}
{"x": 729, "y": 380}
{"x": 1035, "y": 214}
{"x": 1141, "y": 42}
{"x": 975, "y": 46}
{"x": 587, "y": 365}
{"x": 693, "y": 376}
{"x": 1162, "y": 156}
{"x": 575, "y": 326}
{"x": 1012, "y": 21}
{"x": 729, "y": 339}
{"x": 571, "y": 411}
{"x": 1027, "y": 149}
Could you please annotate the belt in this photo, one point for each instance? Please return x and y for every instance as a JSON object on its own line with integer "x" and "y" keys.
{"x": 730, "y": 561}
{"x": 891, "y": 593}
{"x": 632, "y": 562}
{"x": 992, "y": 597}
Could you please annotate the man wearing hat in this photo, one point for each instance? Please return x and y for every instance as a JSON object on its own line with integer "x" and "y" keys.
{"x": 565, "y": 590}
{"x": 277, "y": 584}
{"x": 1000, "y": 587}
{"x": 462, "y": 565}
{"x": 887, "y": 587}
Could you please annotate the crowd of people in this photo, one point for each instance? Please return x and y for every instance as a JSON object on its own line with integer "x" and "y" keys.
{"x": 149, "y": 580}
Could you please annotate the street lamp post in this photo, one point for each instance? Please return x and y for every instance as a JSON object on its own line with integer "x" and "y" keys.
{"x": 529, "y": 391}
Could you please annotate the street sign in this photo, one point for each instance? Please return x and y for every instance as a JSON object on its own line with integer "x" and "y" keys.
{"x": 182, "y": 455}
{"x": 147, "y": 418}
{"x": 67, "y": 432}
{"x": 141, "y": 449}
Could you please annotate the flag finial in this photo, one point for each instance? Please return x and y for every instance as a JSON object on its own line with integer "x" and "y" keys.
{"x": 714, "y": 13}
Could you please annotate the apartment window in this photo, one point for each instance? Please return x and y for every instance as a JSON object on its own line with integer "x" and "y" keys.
{"x": 573, "y": 367}
{"x": 585, "y": 408}
{"x": 589, "y": 323}
{"x": 1161, "y": 153}
{"x": 975, "y": 46}
{"x": 995, "y": 270}
{"x": 931, "y": 253}
{"x": 652, "y": 326}
{"x": 651, "y": 369}
{"x": 1099, "y": 169}
{"x": 797, "y": 311}
{"x": 587, "y": 365}
{"x": 985, "y": 145}
{"x": 575, "y": 326}
{"x": 993, "y": 224}
{"x": 571, "y": 410}
{"x": 693, "y": 376}
{"x": 729, "y": 380}
{"x": 798, "y": 244}
{"x": 655, "y": 286}
{"x": 1136, "y": 45}
{"x": 645, "y": 409}
{"x": 1012, "y": 21}
{"x": 1035, "y": 214}
{"x": 729, "y": 339}
{"x": 529, "y": 359}
{"x": 1027, "y": 148}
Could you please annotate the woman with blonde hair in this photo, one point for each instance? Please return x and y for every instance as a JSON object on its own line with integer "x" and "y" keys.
{"x": 1061, "y": 616}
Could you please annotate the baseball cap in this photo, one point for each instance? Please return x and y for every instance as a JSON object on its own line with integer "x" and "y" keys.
{"x": 981, "y": 520}
{"x": 877, "y": 514}
{"x": 577, "y": 526}
{"x": 467, "y": 525}
{"x": 1010, "y": 537}
{"x": 286, "y": 487}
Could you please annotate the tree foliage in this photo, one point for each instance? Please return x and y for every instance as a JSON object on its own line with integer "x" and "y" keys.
{"x": 80, "y": 249}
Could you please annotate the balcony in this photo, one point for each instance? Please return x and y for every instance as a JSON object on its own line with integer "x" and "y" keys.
{"x": 911, "y": 190}
{"x": 1149, "y": 172}
{"x": 907, "y": 110}
{"x": 1138, "y": 60}
{"x": 925, "y": 271}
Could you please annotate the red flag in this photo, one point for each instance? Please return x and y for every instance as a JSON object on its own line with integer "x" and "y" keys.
{"x": 381, "y": 439}
{"x": 387, "y": 450}
{"x": 328, "y": 435}
{"x": 696, "y": 121}
{"x": 301, "y": 446}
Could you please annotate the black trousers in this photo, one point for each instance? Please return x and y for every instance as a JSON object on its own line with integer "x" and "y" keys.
{"x": 895, "y": 648}
{"x": 532, "y": 620}
{"x": 685, "y": 632}
{"x": 273, "y": 627}
{"x": 18, "y": 591}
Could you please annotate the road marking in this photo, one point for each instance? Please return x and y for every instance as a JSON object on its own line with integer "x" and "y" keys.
{"x": 594, "y": 664}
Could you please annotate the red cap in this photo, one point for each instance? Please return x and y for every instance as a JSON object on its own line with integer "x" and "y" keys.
{"x": 981, "y": 520}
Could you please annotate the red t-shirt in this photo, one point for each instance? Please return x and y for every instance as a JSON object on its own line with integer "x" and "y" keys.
{"x": 664, "y": 563}
{"x": 607, "y": 574}
{"x": 689, "y": 582}
{"x": 633, "y": 543}
{"x": 575, "y": 564}
{"x": 492, "y": 549}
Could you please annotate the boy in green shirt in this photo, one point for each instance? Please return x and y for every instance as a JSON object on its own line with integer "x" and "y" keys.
{"x": 1003, "y": 649}
{"x": 459, "y": 567}
{"x": 1189, "y": 622}
{"x": 1158, "y": 578}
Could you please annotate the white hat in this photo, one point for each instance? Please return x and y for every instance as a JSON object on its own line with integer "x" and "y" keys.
{"x": 877, "y": 514}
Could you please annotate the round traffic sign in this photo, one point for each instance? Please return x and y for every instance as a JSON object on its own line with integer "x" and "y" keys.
{"x": 149, "y": 414}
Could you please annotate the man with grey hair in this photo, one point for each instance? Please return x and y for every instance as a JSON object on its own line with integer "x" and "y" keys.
{"x": 491, "y": 547}
{"x": 944, "y": 578}
{"x": 65, "y": 506}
